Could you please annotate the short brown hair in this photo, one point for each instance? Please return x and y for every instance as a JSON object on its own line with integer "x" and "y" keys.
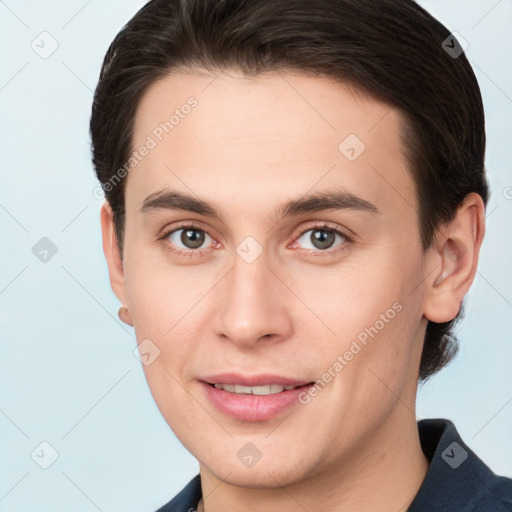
{"x": 393, "y": 49}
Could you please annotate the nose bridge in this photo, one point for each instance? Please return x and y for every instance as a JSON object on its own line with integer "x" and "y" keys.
{"x": 250, "y": 280}
{"x": 250, "y": 307}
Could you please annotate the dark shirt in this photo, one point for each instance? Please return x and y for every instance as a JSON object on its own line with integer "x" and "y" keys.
{"x": 456, "y": 481}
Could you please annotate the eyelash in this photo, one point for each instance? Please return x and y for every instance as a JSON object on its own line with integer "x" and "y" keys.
{"x": 316, "y": 227}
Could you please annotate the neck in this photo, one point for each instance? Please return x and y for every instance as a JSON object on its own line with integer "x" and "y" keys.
{"x": 385, "y": 474}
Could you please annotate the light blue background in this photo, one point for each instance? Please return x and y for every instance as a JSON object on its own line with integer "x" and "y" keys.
{"x": 67, "y": 372}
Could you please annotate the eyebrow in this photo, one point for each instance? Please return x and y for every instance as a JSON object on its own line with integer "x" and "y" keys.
{"x": 331, "y": 200}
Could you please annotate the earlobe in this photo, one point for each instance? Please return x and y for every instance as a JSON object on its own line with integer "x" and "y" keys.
{"x": 454, "y": 258}
{"x": 124, "y": 315}
{"x": 112, "y": 253}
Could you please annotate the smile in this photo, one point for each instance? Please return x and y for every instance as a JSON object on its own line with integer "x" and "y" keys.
{"x": 252, "y": 398}
{"x": 269, "y": 389}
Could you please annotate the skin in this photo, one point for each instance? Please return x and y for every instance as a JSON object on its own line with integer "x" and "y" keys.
{"x": 250, "y": 145}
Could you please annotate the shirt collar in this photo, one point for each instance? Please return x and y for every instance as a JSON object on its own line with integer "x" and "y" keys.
{"x": 456, "y": 479}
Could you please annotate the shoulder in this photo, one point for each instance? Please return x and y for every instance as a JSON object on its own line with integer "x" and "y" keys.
{"x": 497, "y": 496}
{"x": 457, "y": 479}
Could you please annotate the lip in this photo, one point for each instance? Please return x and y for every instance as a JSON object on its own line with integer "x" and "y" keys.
{"x": 254, "y": 380}
{"x": 248, "y": 407}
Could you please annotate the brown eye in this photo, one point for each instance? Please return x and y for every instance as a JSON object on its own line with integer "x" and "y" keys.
{"x": 188, "y": 237}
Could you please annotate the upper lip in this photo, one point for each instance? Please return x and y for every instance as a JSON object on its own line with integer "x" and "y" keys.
{"x": 253, "y": 380}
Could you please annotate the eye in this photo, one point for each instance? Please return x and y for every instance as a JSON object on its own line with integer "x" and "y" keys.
{"x": 322, "y": 238}
{"x": 187, "y": 237}
{"x": 189, "y": 240}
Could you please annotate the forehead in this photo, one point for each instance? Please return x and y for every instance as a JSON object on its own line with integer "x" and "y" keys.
{"x": 273, "y": 135}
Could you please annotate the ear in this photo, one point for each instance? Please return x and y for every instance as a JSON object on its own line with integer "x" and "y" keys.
{"x": 454, "y": 256}
{"x": 113, "y": 257}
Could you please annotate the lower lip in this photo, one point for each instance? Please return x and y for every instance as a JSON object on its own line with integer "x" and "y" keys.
{"x": 248, "y": 407}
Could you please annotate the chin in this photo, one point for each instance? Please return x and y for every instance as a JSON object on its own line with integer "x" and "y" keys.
{"x": 271, "y": 470}
{"x": 262, "y": 477}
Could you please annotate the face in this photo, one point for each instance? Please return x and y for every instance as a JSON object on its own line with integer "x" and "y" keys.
{"x": 294, "y": 260}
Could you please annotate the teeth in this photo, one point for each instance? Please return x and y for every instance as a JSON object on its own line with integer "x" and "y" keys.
{"x": 266, "y": 390}
{"x": 269, "y": 389}
{"x": 241, "y": 389}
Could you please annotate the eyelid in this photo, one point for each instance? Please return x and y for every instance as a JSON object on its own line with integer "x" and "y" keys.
{"x": 327, "y": 226}
{"x": 176, "y": 226}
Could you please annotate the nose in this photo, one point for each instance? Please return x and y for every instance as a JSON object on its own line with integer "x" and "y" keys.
{"x": 253, "y": 304}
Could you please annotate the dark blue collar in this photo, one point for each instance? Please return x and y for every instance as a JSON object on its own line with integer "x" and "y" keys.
{"x": 457, "y": 480}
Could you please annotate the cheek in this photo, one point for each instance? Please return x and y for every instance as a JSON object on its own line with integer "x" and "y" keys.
{"x": 162, "y": 296}
{"x": 174, "y": 403}
{"x": 379, "y": 376}
{"x": 161, "y": 304}
{"x": 349, "y": 298}
{"x": 372, "y": 319}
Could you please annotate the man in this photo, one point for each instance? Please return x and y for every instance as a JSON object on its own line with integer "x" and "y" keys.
{"x": 295, "y": 209}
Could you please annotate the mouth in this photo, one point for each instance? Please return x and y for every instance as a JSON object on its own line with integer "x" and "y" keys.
{"x": 267, "y": 389}
{"x": 256, "y": 398}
